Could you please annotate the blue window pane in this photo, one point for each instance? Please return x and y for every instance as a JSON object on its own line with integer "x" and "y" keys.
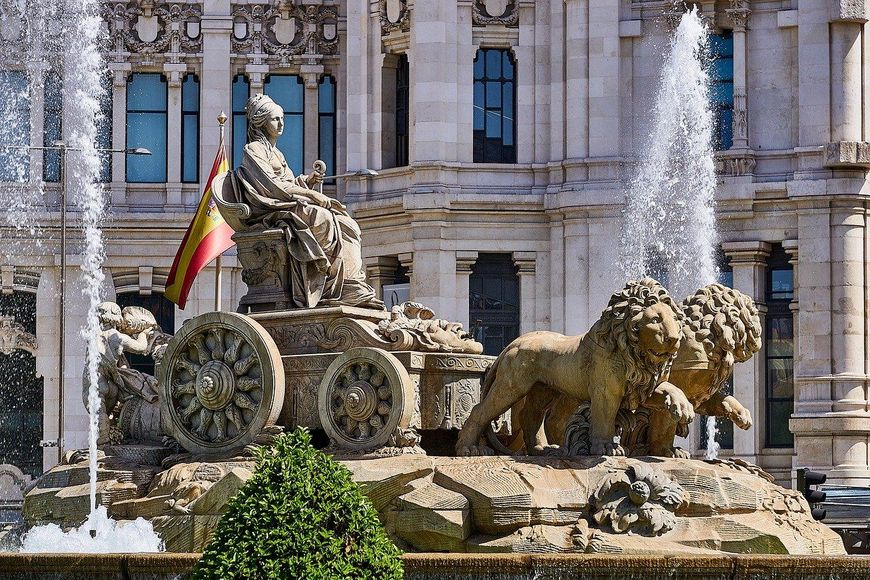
{"x": 493, "y": 95}
{"x": 240, "y": 93}
{"x": 478, "y": 66}
{"x": 15, "y": 163}
{"x": 723, "y": 69}
{"x": 326, "y": 95}
{"x": 327, "y": 143}
{"x": 146, "y": 92}
{"x": 722, "y": 93}
{"x": 52, "y": 128}
{"x": 507, "y": 65}
{"x": 493, "y": 124}
{"x": 190, "y": 94}
{"x": 287, "y": 91}
{"x": 240, "y": 129}
{"x": 508, "y": 100}
{"x": 725, "y": 129}
{"x": 507, "y": 131}
{"x": 104, "y": 130}
{"x": 190, "y": 154}
{"x": 493, "y": 63}
{"x": 147, "y": 130}
{"x": 291, "y": 143}
{"x": 726, "y": 277}
{"x": 721, "y": 44}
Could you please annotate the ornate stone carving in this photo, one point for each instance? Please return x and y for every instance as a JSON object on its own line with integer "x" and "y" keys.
{"x": 640, "y": 500}
{"x": 247, "y": 36}
{"x": 739, "y": 13}
{"x": 505, "y": 12}
{"x": 291, "y": 30}
{"x": 619, "y": 363}
{"x": 735, "y": 165}
{"x": 394, "y": 16}
{"x": 414, "y": 323}
{"x": 150, "y": 27}
{"x": 13, "y": 336}
{"x": 739, "y": 124}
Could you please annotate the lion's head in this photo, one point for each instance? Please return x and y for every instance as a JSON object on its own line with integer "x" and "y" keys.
{"x": 725, "y": 321}
{"x": 643, "y": 325}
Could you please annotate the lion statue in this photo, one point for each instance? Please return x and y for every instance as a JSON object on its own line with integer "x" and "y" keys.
{"x": 621, "y": 362}
{"x": 721, "y": 328}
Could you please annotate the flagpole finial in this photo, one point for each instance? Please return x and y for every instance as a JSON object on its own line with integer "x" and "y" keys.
{"x": 222, "y": 118}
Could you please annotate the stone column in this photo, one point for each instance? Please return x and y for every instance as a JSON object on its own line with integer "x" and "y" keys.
{"x": 356, "y": 83}
{"x": 526, "y": 86}
{"x": 120, "y": 70}
{"x": 748, "y": 263}
{"x": 847, "y": 147}
{"x": 215, "y": 82}
{"x": 739, "y": 13}
{"x": 576, "y": 274}
{"x": 577, "y": 79}
{"x": 311, "y": 118}
{"x": 525, "y": 263}
{"x": 464, "y": 262}
{"x": 557, "y": 273}
{"x": 380, "y": 270}
{"x": 174, "y": 76}
{"x": 604, "y": 113}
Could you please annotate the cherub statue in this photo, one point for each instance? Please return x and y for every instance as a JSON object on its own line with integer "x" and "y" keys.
{"x": 135, "y": 331}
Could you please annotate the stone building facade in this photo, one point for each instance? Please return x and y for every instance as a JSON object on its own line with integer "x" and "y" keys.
{"x": 503, "y": 133}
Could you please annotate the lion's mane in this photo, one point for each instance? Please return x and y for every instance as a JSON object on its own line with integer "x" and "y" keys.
{"x": 617, "y": 331}
{"x": 725, "y": 321}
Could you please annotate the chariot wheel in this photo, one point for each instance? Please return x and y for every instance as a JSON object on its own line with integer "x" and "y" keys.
{"x": 365, "y": 396}
{"x": 221, "y": 383}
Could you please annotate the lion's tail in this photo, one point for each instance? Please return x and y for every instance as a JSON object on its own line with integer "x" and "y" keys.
{"x": 488, "y": 380}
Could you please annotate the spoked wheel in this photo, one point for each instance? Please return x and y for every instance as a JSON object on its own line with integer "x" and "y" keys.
{"x": 221, "y": 383}
{"x": 365, "y": 396}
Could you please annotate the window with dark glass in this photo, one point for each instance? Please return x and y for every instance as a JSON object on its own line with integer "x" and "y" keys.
{"x": 494, "y": 302}
{"x": 164, "y": 313}
{"x": 241, "y": 89}
{"x": 104, "y": 129}
{"x": 15, "y": 161}
{"x": 721, "y": 47}
{"x": 403, "y": 96}
{"x": 190, "y": 129}
{"x": 52, "y": 106}
{"x": 146, "y": 127}
{"x": 21, "y": 392}
{"x": 326, "y": 123}
{"x": 724, "y": 426}
{"x": 779, "y": 350}
{"x": 494, "y": 105}
{"x": 289, "y": 92}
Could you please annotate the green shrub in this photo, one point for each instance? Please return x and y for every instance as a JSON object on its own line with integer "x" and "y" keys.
{"x": 300, "y": 516}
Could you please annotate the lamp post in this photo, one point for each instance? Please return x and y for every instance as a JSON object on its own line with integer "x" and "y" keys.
{"x": 64, "y": 148}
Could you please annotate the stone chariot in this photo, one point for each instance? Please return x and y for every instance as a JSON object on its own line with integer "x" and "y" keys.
{"x": 374, "y": 381}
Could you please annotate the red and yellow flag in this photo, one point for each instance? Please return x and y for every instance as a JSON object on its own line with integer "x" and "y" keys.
{"x": 207, "y": 237}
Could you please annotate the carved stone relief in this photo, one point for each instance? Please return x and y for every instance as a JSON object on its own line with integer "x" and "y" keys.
{"x": 149, "y": 27}
{"x": 503, "y": 12}
{"x": 285, "y": 30}
{"x": 13, "y": 336}
{"x": 394, "y": 16}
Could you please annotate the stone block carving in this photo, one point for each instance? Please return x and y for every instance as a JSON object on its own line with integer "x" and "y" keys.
{"x": 395, "y": 16}
{"x": 504, "y": 12}
{"x": 151, "y": 27}
{"x": 847, "y": 154}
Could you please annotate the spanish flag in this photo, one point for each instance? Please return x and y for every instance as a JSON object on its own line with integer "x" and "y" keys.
{"x": 207, "y": 237}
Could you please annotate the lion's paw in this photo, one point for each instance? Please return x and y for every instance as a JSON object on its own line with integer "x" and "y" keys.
{"x": 547, "y": 450}
{"x": 474, "y": 450}
{"x": 612, "y": 448}
{"x": 680, "y": 453}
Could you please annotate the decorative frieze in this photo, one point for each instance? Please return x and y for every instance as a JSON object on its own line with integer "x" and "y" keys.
{"x": 285, "y": 30}
{"x": 739, "y": 13}
{"x": 504, "y": 12}
{"x": 150, "y": 28}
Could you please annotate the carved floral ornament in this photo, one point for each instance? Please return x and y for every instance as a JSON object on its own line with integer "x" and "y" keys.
{"x": 151, "y": 27}
{"x": 503, "y": 12}
{"x": 285, "y": 29}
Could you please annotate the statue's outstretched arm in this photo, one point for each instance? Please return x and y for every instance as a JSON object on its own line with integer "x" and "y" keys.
{"x": 138, "y": 344}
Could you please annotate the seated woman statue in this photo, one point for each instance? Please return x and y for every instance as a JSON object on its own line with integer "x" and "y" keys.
{"x": 322, "y": 239}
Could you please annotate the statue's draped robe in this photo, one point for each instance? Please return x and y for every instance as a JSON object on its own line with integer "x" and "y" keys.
{"x": 324, "y": 244}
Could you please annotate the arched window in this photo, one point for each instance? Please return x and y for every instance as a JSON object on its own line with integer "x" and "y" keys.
{"x": 722, "y": 87}
{"x": 495, "y": 127}
{"x": 190, "y": 129}
{"x": 289, "y": 92}
{"x": 146, "y": 127}
{"x": 21, "y": 392}
{"x": 326, "y": 122}
{"x": 494, "y": 302}
{"x": 164, "y": 313}
{"x": 779, "y": 350}
{"x": 241, "y": 90}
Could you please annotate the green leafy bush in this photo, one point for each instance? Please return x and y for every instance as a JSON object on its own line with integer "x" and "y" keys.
{"x": 299, "y": 516}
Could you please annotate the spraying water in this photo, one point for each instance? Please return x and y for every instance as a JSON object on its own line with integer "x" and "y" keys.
{"x": 669, "y": 229}
{"x": 71, "y": 33}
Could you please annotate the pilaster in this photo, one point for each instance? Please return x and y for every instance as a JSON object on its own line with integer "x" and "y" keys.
{"x": 175, "y": 76}
{"x": 120, "y": 71}
{"x": 526, "y": 267}
{"x": 465, "y": 260}
{"x": 380, "y": 270}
